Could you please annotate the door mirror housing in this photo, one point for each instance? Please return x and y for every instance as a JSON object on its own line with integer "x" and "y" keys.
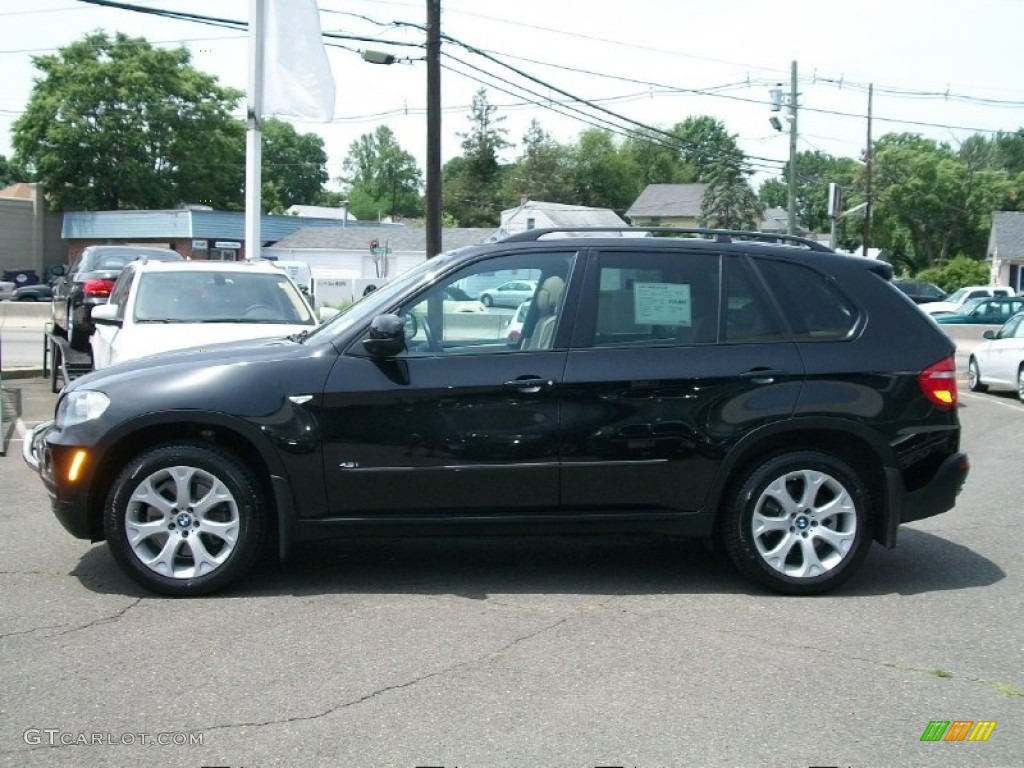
{"x": 386, "y": 337}
{"x": 105, "y": 314}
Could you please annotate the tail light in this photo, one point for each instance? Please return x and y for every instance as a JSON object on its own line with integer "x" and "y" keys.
{"x": 938, "y": 382}
{"x": 97, "y": 288}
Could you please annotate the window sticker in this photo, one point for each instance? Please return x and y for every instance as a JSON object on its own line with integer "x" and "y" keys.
{"x": 662, "y": 304}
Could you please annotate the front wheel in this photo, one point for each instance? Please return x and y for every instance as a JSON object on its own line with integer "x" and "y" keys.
{"x": 799, "y": 523}
{"x": 185, "y": 519}
{"x": 1020, "y": 384}
{"x": 486, "y": 300}
{"x": 974, "y": 377}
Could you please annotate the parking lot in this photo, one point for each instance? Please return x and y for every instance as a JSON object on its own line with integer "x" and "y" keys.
{"x": 497, "y": 652}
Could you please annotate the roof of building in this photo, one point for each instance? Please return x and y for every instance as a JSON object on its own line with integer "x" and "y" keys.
{"x": 181, "y": 223}
{"x": 396, "y": 237}
{"x": 340, "y": 213}
{"x": 1007, "y": 238}
{"x": 669, "y": 200}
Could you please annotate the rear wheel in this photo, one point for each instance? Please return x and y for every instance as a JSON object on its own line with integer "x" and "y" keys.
{"x": 77, "y": 339}
{"x": 185, "y": 519}
{"x": 486, "y": 300}
{"x": 974, "y": 377}
{"x": 799, "y": 523}
{"x": 1020, "y": 384}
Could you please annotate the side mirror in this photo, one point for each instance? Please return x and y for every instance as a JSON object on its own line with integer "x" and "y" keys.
{"x": 386, "y": 338}
{"x": 990, "y": 334}
{"x": 105, "y": 314}
{"x": 58, "y": 271}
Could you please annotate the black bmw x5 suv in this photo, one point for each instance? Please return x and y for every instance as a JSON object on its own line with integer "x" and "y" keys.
{"x": 695, "y": 383}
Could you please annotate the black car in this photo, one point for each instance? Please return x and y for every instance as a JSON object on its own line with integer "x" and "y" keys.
{"x": 37, "y": 292}
{"x": 693, "y": 383}
{"x": 87, "y": 282}
{"x": 921, "y": 292}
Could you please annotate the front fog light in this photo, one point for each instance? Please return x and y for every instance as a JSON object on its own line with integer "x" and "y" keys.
{"x": 80, "y": 406}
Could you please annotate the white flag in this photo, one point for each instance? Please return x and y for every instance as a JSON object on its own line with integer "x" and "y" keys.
{"x": 297, "y": 80}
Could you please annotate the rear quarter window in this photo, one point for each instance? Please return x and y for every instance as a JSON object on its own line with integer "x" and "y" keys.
{"x": 813, "y": 305}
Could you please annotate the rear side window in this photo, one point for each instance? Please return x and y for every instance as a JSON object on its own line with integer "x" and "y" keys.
{"x": 656, "y": 298}
{"x": 748, "y": 313}
{"x": 815, "y": 309}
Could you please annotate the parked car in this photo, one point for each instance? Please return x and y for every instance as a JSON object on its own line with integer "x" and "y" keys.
{"x": 514, "y": 328}
{"x": 919, "y": 291}
{"x": 457, "y": 300}
{"x": 509, "y": 294}
{"x": 6, "y": 290}
{"x": 37, "y": 292}
{"x": 998, "y": 362}
{"x": 158, "y": 306}
{"x": 991, "y": 311}
{"x": 704, "y": 385}
{"x": 959, "y": 297}
{"x": 88, "y": 282}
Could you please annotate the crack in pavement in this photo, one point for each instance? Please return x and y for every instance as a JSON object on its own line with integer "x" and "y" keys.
{"x": 116, "y": 616}
{"x": 396, "y": 686}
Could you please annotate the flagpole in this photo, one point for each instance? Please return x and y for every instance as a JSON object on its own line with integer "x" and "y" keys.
{"x": 253, "y": 132}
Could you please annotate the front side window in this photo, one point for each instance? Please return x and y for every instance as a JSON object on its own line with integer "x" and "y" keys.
{"x": 459, "y": 313}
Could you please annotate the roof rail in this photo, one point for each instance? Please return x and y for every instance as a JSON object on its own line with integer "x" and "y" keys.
{"x": 718, "y": 235}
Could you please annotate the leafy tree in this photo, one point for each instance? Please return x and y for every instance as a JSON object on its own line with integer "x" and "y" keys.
{"x": 11, "y": 172}
{"x": 603, "y": 175}
{"x": 116, "y": 123}
{"x": 294, "y": 166}
{"x": 658, "y": 159}
{"x": 472, "y": 186}
{"x": 383, "y": 178}
{"x": 729, "y": 202}
{"x": 773, "y": 193}
{"x": 540, "y": 172}
{"x": 704, "y": 142}
{"x": 959, "y": 271}
{"x": 930, "y": 200}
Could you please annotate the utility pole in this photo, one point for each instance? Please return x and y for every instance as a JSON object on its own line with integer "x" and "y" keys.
{"x": 433, "y": 211}
{"x": 867, "y": 176}
{"x": 791, "y": 220}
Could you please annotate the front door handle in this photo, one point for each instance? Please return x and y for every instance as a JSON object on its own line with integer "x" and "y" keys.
{"x": 529, "y": 385}
{"x": 762, "y": 375}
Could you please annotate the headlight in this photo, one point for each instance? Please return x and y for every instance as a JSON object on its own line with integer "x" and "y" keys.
{"x": 80, "y": 406}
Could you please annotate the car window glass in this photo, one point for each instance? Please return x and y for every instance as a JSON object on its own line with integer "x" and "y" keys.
{"x": 119, "y": 294}
{"x": 748, "y": 314}
{"x": 436, "y": 324}
{"x": 660, "y": 297}
{"x": 813, "y": 305}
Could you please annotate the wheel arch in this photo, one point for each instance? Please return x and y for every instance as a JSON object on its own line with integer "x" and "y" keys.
{"x": 215, "y": 429}
{"x": 863, "y": 451}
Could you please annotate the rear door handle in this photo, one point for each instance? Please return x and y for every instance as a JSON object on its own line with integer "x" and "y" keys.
{"x": 529, "y": 384}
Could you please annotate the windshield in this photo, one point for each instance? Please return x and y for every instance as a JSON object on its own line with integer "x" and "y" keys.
{"x": 957, "y": 296}
{"x": 382, "y": 300}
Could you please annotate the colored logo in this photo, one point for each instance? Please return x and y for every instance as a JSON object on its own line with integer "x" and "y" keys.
{"x": 958, "y": 730}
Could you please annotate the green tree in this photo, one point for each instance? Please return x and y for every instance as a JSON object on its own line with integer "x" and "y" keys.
{"x": 540, "y": 172}
{"x": 602, "y": 174}
{"x": 959, "y": 271}
{"x": 294, "y": 166}
{"x": 11, "y": 172}
{"x": 729, "y": 202}
{"x": 930, "y": 201}
{"x": 472, "y": 186}
{"x": 658, "y": 159}
{"x": 383, "y": 179}
{"x": 116, "y": 123}
{"x": 704, "y": 142}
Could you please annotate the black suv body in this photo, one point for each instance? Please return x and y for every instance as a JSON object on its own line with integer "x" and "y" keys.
{"x": 709, "y": 385}
{"x": 88, "y": 282}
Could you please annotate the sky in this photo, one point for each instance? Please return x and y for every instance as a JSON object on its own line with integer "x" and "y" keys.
{"x": 942, "y": 69}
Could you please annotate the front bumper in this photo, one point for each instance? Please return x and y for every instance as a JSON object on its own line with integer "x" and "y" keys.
{"x": 71, "y": 510}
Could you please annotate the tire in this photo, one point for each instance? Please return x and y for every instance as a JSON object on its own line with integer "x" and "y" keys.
{"x": 774, "y": 528}
{"x": 207, "y": 504}
{"x": 1020, "y": 383}
{"x": 486, "y": 300}
{"x": 55, "y": 363}
{"x": 974, "y": 377}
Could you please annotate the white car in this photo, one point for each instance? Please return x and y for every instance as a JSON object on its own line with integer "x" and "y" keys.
{"x": 955, "y": 301}
{"x": 509, "y": 294}
{"x": 998, "y": 362}
{"x": 514, "y": 328}
{"x": 159, "y": 306}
